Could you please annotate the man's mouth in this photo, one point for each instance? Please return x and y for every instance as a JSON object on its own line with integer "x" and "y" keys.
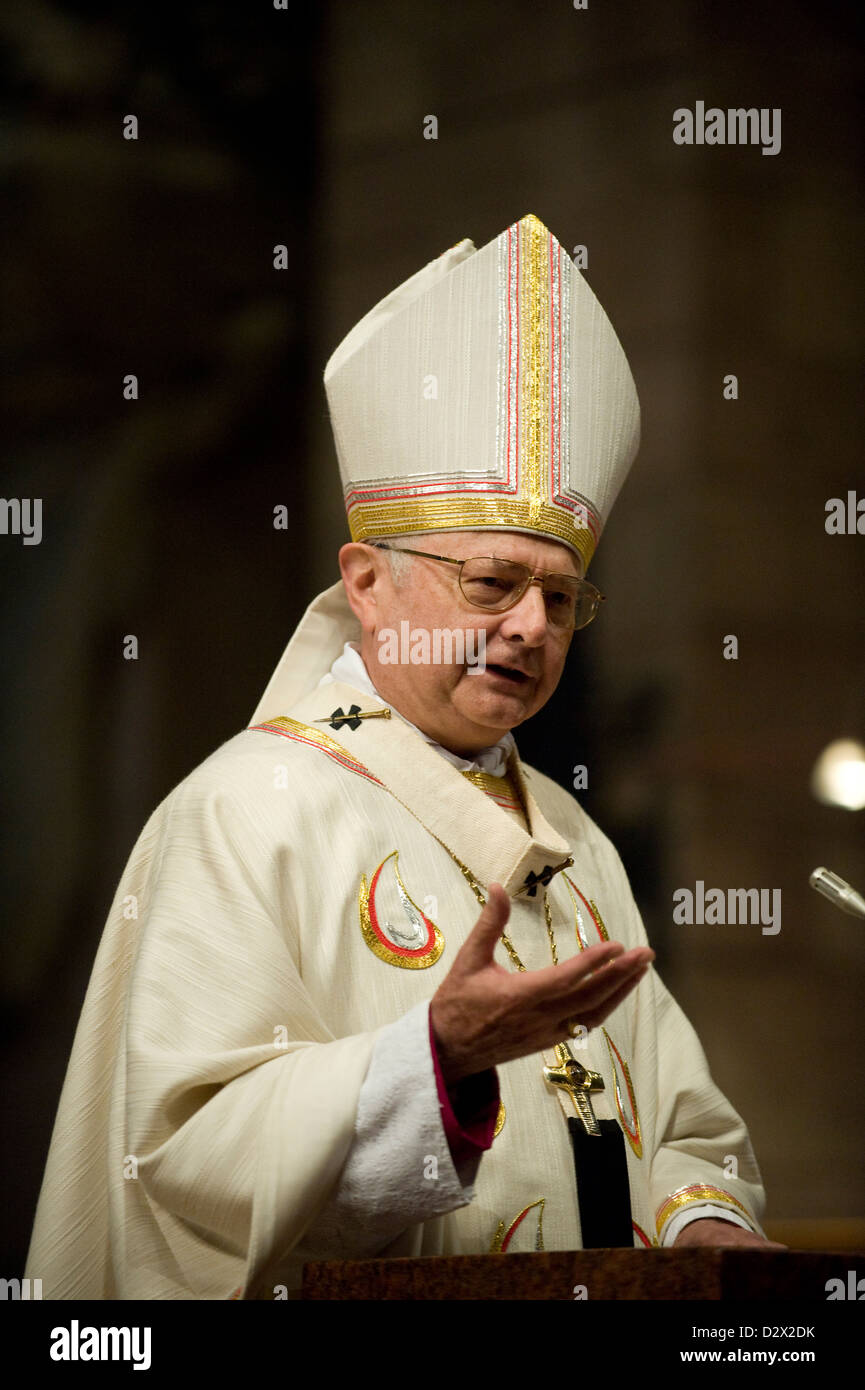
{"x": 511, "y": 673}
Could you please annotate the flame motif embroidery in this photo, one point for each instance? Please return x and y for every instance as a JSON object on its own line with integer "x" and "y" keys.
{"x": 413, "y": 942}
{"x": 503, "y": 1237}
{"x": 593, "y": 911}
{"x": 626, "y": 1102}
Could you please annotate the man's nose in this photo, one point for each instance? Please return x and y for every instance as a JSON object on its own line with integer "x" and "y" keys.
{"x": 528, "y": 618}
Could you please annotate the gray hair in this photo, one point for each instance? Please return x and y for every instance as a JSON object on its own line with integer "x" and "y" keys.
{"x": 400, "y": 564}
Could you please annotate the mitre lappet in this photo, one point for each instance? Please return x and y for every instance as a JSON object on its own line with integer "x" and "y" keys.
{"x": 488, "y": 392}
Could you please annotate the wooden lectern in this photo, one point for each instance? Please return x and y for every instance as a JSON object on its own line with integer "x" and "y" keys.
{"x": 688, "y": 1274}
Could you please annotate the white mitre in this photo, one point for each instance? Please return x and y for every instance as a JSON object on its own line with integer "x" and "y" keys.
{"x": 488, "y": 392}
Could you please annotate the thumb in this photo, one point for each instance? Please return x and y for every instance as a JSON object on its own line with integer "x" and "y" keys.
{"x": 477, "y": 950}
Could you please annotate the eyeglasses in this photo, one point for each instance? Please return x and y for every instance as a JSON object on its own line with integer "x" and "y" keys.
{"x": 497, "y": 585}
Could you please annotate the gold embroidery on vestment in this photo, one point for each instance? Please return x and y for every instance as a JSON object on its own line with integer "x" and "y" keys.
{"x": 599, "y": 919}
{"x": 696, "y": 1192}
{"x": 503, "y": 787}
{"x": 318, "y": 736}
{"x": 406, "y": 958}
{"x": 632, "y": 1130}
{"x": 503, "y": 1234}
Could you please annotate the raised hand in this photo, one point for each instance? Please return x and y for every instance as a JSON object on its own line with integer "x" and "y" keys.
{"x": 483, "y": 1015}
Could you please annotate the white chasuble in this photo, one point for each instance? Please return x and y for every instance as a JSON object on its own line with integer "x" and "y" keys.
{"x": 304, "y": 888}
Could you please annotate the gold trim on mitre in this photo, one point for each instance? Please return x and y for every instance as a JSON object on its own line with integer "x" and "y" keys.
{"x": 487, "y": 392}
{"x": 402, "y": 517}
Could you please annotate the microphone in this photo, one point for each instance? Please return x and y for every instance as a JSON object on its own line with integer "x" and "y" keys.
{"x": 838, "y": 892}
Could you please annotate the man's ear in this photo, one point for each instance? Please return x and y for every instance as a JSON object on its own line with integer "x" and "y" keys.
{"x": 363, "y": 574}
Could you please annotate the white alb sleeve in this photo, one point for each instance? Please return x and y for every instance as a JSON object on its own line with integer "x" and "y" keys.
{"x": 399, "y": 1170}
{"x": 682, "y": 1218}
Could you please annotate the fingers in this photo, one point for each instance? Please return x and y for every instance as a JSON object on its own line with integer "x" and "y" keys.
{"x": 483, "y": 1014}
{"x": 592, "y": 1014}
{"x": 586, "y": 988}
{"x": 477, "y": 949}
{"x": 593, "y": 995}
{"x": 602, "y": 982}
{"x": 560, "y": 981}
{"x": 606, "y": 988}
{"x": 605, "y": 973}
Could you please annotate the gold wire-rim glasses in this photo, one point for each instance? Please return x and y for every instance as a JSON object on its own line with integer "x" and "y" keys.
{"x": 581, "y": 588}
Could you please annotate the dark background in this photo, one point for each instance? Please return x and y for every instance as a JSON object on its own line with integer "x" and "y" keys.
{"x": 155, "y": 257}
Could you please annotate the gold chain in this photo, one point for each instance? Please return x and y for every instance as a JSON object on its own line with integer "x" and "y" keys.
{"x": 506, "y": 941}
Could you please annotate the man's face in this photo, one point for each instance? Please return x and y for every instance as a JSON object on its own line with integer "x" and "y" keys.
{"x": 462, "y": 711}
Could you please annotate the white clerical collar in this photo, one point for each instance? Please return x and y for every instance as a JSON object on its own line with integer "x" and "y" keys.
{"x": 350, "y": 668}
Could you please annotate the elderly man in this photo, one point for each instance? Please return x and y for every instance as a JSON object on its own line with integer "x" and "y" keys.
{"x": 370, "y": 985}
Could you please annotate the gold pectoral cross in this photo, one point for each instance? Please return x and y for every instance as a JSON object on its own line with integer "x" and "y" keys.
{"x": 574, "y": 1078}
